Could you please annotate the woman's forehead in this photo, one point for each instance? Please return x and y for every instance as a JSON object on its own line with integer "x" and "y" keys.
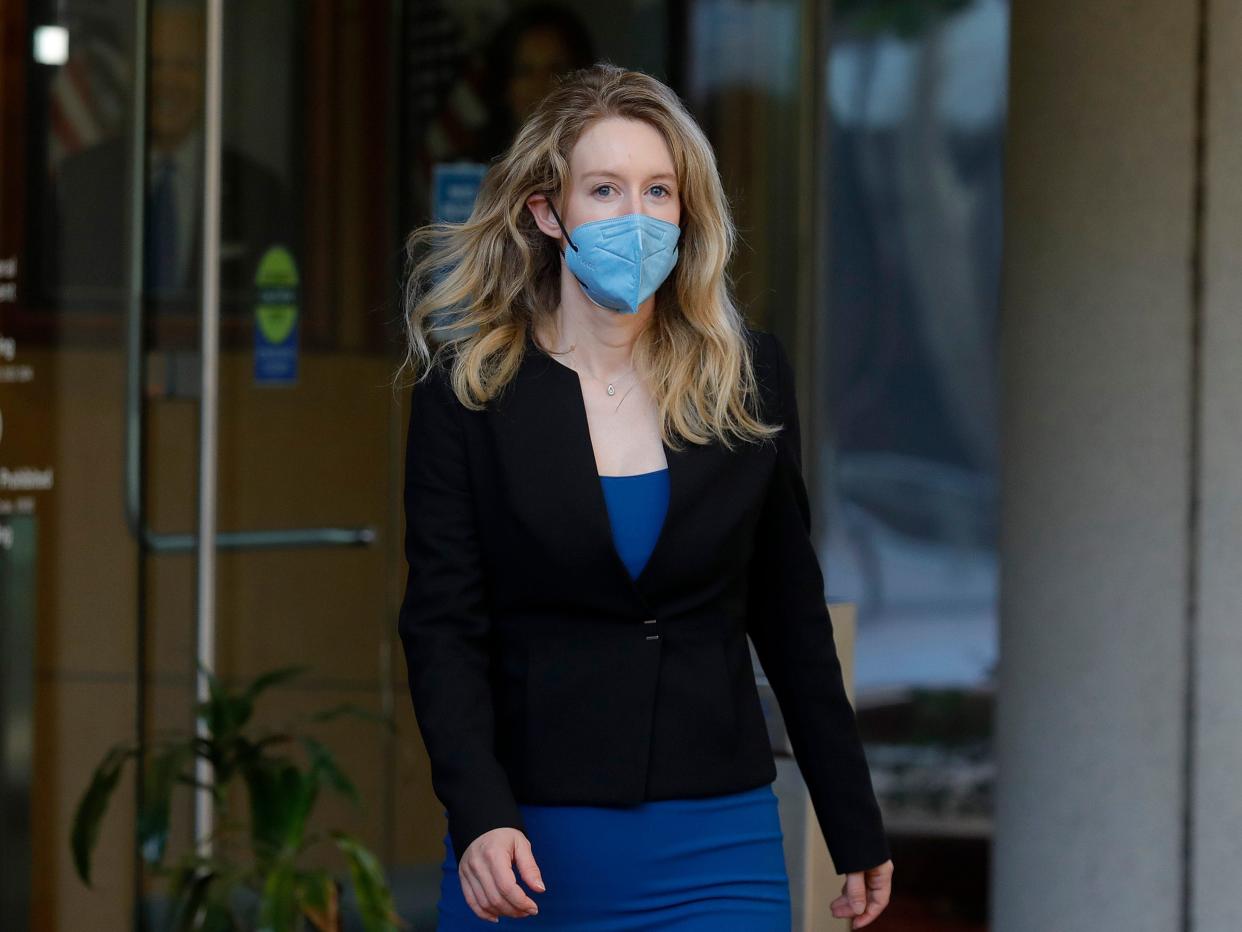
{"x": 621, "y": 147}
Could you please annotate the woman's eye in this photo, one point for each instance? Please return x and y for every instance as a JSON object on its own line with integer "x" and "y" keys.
{"x": 661, "y": 188}
{"x": 603, "y": 187}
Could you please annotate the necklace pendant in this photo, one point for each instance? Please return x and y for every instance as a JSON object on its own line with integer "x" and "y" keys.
{"x": 611, "y": 389}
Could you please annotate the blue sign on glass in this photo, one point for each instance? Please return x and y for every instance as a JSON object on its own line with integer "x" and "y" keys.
{"x": 454, "y": 187}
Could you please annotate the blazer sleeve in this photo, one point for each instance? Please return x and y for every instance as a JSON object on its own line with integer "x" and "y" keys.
{"x": 444, "y": 623}
{"x": 789, "y": 624}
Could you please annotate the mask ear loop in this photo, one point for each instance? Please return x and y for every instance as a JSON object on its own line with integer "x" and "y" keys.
{"x": 561, "y": 225}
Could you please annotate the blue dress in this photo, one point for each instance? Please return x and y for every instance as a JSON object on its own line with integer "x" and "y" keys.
{"x": 710, "y": 864}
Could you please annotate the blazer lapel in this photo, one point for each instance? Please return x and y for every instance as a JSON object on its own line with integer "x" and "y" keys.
{"x": 544, "y": 441}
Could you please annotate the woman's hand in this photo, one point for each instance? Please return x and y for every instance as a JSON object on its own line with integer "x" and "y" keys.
{"x": 864, "y": 894}
{"x": 486, "y": 873}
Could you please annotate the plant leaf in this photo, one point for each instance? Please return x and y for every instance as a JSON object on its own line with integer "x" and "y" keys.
{"x": 213, "y": 683}
{"x": 370, "y": 887}
{"x": 225, "y": 712}
{"x": 200, "y": 890}
{"x": 188, "y": 890}
{"x": 281, "y": 797}
{"x": 159, "y": 776}
{"x": 322, "y": 762}
{"x": 279, "y": 911}
{"x": 320, "y": 900}
{"x": 84, "y": 833}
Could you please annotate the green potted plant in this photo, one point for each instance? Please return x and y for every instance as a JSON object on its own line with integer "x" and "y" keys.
{"x": 203, "y": 888}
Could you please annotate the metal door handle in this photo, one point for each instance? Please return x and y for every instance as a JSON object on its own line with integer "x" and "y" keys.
{"x": 273, "y": 539}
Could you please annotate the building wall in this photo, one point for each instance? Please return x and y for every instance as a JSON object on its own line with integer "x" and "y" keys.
{"x": 1121, "y": 520}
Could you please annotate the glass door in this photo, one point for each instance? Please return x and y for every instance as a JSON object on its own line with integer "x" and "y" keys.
{"x": 71, "y": 561}
{"x": 201, "y": 446}
{"x": 202, "y": 217}
{"x": 201, "y": 244}
{"x": 273, "y": 429}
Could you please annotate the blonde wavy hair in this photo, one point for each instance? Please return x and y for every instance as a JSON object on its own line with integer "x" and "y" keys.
{"x": 481, "y": 286}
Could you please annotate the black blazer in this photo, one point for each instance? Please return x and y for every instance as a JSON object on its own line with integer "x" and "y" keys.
{"x": 541, "y": 672}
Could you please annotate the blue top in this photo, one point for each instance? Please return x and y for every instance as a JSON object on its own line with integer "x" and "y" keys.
{"x": 636, "y": 507}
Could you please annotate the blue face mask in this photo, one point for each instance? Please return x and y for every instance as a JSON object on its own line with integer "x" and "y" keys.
{"x": 621, "y": 261}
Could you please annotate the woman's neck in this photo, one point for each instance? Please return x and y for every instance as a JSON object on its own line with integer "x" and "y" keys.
{"x": 598, "y": 342}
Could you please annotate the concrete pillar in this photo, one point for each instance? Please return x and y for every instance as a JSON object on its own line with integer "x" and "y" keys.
{"x": 1215, "y": 805}
{"x": 1119, "y": 718}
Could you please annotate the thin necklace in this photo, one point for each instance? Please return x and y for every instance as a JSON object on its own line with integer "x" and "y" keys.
{"x": 612, "y": 385}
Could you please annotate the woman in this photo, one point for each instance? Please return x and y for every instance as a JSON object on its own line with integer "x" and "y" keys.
{"x": 603, "y": 499}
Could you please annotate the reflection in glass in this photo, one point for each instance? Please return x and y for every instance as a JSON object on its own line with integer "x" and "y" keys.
{"x": 743, "y": 84}
{"x": 493, "y": 76}
{"x": 917, "y": 99}
{"x": 85, "y": 190}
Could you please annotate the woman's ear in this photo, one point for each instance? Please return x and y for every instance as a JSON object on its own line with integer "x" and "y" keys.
{"x": 540, "y": 209}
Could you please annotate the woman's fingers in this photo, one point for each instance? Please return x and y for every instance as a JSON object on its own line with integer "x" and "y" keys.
{"x": 526, "y": 865}
{"x": 488, "y": 880}
{"x": 853, "y": 899}
{"x": 492, "y": 900}
{"x": 474, "y": 895}
{"x": 864, "y": 895}
{"x": 875, "y": 906}
{"x": 513, "y": 900}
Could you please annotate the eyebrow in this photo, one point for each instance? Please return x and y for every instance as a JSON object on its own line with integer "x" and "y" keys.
{"x": 605, "y": 173}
